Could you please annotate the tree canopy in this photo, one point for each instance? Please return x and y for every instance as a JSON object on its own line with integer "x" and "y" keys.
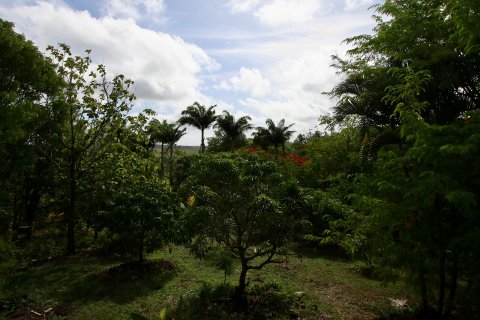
{"x": 232, "y": 129}
{"x": 274, "y": 134}
{"x": 199, "y": 117}
{"x": 245, "y": 205}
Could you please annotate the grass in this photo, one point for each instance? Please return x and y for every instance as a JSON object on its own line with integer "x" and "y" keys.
{"x": 98, "y": 288}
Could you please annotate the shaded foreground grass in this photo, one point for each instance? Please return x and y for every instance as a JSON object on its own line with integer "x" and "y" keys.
{"x": 98, "y": 288}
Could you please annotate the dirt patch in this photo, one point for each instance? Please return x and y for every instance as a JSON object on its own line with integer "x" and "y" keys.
{"x": 140, "y": 268}
{"x": 33, "y": 313}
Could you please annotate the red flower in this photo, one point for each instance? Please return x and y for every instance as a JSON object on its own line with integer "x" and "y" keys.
{"x": 253, "y": 149}
{"x": 296, "y": 159}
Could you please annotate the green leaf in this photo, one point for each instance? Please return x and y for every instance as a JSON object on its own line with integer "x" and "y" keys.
{"x": 163, "y": 314}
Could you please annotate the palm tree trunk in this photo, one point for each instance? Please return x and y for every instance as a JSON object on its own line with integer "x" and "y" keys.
{"x": 162, "y": 165}
{"x": 170, "y": 176}
{"x": 202, "y": 146}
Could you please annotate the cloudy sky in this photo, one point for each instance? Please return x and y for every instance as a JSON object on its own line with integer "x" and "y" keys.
{"x": 263, "y": 58}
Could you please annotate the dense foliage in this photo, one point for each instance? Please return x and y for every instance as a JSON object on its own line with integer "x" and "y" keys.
{"x": 245, "y": 205}
{"x": 142, "y": 216}
{"x": 393, "y": 179}
{"x": 413, "y": 87}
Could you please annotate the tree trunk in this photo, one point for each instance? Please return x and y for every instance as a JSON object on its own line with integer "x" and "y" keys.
{"x": 240, "y": 298}
{"x": 170, "y": 176}
{"x": 15, "y": 216}
{"x": 33, "y": 193}
{"x": 283, "y": 149}
{"x": 276, "y": 151}
{"x": 32, "y": 201}
{"x": 95, "y": 232}
{"x": 423, "y": 287}
{"x": 202, "y": 146}
{"x": 452, "y": 288}
{"x": 243, "y": 277}
{"x": 441, "y": 289}
{"x": 162, "y": 166}
{"x": 141, "y": 256}
{"x": 70, "y": 212}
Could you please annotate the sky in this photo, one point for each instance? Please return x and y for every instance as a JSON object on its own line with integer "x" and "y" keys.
{"x": 268, "y": 59}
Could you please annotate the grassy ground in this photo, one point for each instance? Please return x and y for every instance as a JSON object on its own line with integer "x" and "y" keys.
{"x": 86, "y": 287}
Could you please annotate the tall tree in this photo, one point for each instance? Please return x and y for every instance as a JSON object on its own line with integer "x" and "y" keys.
{"x": 160, "y": 132}
{"x": 90, "y": 111}
{"x": 418, "y": 35}
{"x": 436, "y": 37}
{"x": 275, "y": 135}
{"x": 27, "y": 84}
{"x": 465, "y": 15}
{"x": 415, "y": 207}
{"x": 231, "y": 128}
{"x": 245, "y": 204}
{"x": 200, "y": 117}
{"x": 361, "y": 94}
{"x": 172, "y": 137}
{"x": 418, "y": 214}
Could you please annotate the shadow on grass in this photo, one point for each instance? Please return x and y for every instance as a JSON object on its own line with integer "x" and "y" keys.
{"x": 313, "y": 251}
{"x": 354, "y": 264}
{"x": 84, "y": 279}
{"x": 122, "y": 283}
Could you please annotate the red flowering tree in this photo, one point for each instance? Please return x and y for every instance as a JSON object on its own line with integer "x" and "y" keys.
{"x": 296, "y": 159}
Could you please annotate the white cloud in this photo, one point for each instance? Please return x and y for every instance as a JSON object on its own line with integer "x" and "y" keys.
{"x": 241, "y": 6}
{"x": 304, "y": 116}
{"x": 165, "y": 68}
{"x": 274, "y": 13}
{"x": 121, "y": 9}
{"x": 133, "y": 9}
{"x": 297, "y": 83}
{"x": 248, "y": 80}
{"x": 296, "y": 63}
{"x": 280, "y": 12}
{"x": 355, "y": 4}
{"x": 285, "y": 60}
{"x": 154, "y": 6}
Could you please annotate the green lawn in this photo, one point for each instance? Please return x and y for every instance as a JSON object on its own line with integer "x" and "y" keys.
{"x": 86, "y": 287}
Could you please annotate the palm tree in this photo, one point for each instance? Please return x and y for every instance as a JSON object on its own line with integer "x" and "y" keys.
{"x": 159, "y": 132}
{"x": 200, "y": 117}
{"x": 275, "y": 134}
{"x": 172, "y": 137}
{"x": 231, "y": 128}
{"x": 361, "y": 94}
